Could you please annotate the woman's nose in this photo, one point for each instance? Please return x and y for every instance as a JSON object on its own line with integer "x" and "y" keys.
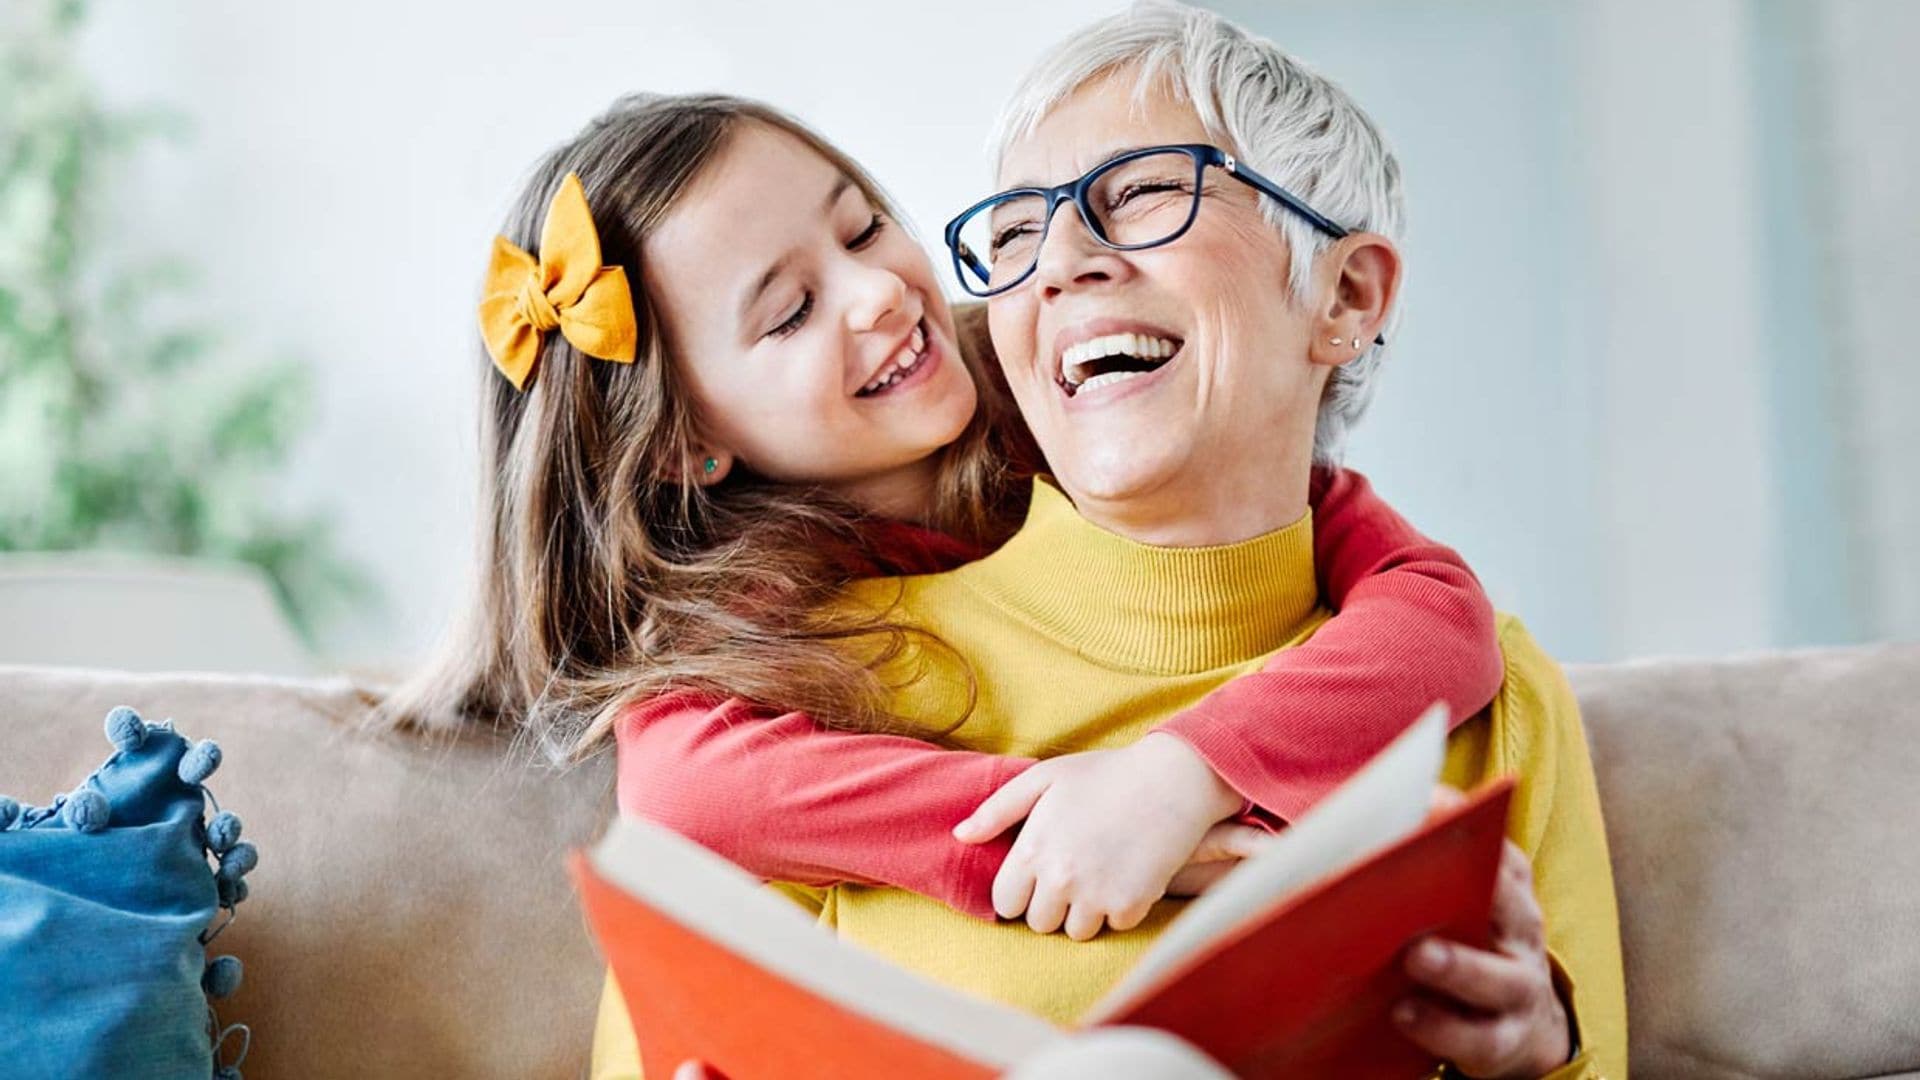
{"x": 1069, "y": 255}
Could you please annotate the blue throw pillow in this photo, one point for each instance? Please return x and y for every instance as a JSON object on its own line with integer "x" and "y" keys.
{"x": 106, "y": 906}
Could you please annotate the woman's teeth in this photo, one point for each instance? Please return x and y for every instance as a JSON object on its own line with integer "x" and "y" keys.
{"x": 1110, "y": 377}
{"x": 904, "y": 363}
{"x": 1088, "y": 365}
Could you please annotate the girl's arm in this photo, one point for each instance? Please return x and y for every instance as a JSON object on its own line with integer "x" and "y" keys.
{"x": 792, "y": 800}
{"x": 1414, "y": 627}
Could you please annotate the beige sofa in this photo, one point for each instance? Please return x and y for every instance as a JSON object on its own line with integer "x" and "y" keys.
{"x": 411, "y": 915}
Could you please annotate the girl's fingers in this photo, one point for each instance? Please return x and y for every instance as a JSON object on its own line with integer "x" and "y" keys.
{"x": 1047, "y": 910}
{"x": 694, "y": 1070}
{"x": 1012, "y": 888}
{"x": 1128, "y": 918}
{"x": 1084, "y": 921}
{"x": 1005, "y": 808}
{"x": 1483, "y": 980}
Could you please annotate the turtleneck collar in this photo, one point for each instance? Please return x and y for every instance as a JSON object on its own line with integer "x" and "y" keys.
{"x": 1157, "y": 610}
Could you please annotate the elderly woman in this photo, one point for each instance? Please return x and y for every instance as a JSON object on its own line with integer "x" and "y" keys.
{"x": 1169, "y": 183}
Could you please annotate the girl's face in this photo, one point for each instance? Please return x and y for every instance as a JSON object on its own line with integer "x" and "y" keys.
{"x": 818, "y": 347}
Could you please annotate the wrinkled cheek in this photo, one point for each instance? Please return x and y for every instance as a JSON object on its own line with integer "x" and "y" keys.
{"x": 1010, "y": 325}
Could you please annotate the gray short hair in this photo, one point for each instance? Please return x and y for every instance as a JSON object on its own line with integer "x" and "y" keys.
{"x": 1284, "y": 119}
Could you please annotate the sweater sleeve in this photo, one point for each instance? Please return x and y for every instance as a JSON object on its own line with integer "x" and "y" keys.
{"x": 1413, "y": 627}
{"x": 790, "y": 799}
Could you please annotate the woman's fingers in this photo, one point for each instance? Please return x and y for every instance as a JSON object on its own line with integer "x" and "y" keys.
{"x": 1006, "y": 807}
{"x": 1476, "y": 1045}
{"x": 1485, "y": 980}
{"x": 1196, "y": 878}
{"x": 1228, "y": 840}
{"x": 1517, "y": 920}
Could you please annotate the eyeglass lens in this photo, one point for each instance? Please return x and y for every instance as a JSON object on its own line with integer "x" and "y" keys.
{"x": 1138, "y": 202}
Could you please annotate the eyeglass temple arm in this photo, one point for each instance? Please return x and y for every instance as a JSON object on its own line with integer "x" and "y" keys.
{"x": 1286, "y": 198}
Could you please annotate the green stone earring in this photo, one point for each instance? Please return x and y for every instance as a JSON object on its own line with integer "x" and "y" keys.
{"x": 711, "y": 464}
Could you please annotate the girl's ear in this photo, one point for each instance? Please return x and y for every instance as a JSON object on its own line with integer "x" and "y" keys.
{"x": 1366, "y": 284}
{"x": 707, "y": 467}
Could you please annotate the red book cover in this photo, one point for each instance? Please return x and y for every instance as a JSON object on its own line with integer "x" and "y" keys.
{"x": 1287, "y": 968}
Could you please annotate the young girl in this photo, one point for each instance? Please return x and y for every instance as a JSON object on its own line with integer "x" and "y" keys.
{"x": 728, "y": 384}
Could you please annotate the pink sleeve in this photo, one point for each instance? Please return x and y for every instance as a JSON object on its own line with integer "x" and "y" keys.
{"x": 1414, "y": 627}
{"x": 792, "y": 800}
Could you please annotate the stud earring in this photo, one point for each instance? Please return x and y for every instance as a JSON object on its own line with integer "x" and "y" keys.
{"x": 710, "y": 465}
{"x": 1337, "y": 341}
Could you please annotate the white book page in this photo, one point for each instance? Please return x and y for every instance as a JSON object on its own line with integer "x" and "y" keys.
{"x": 718, "y": 900}
{"x": 1383, "y": 803}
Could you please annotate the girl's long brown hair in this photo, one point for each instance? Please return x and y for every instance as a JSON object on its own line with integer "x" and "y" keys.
{"x": 600, "y": 582}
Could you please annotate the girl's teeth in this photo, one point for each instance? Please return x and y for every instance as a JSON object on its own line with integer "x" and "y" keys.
{"x": 903, "y": 363}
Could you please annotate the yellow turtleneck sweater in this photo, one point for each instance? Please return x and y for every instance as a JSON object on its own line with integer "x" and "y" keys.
{"x": 1079, "y": 639}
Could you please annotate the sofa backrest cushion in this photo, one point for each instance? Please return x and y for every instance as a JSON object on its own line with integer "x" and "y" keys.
{"x": 1761, "y": 814}
{"x": 413, "y": 917}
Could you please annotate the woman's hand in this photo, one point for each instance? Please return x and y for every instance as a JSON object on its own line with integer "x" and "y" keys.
{"x": 1219, "y": 852}
{"x": 1494, "y": 1015}
{"x": 1105, "y": 833}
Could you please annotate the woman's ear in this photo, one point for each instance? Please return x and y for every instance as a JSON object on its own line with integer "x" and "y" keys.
{"x": 1367, "y": 281}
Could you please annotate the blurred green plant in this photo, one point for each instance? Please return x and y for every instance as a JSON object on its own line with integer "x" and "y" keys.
{"x": 121, "y": 428}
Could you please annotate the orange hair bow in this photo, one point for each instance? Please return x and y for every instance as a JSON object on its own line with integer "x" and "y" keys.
{"x": 565, "y": 289}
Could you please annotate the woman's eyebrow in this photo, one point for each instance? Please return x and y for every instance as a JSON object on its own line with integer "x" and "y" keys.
{"x": 752, "y": 295}
{"x": 1101, "y": 159}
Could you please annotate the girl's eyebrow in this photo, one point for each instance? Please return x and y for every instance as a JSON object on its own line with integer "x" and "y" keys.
{"x": 752, "y": 296}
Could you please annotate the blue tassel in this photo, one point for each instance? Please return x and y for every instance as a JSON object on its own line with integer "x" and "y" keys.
{"x": 239, "y": 861}
{"x": 227, "y": 1072}
{"x": 125, "y": 729}
{"x": 222, "y": 976}
{"x": 9, "y": 811}
{"x": 231, "y": 890}
{"x": 223, "y": 831}
{"x": 86, "y": 810}
{"x": 199, "y": 761}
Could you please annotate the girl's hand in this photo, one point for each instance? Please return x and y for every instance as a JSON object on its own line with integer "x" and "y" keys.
{"x": 1494, "y": 1015}
{"x": 1105, "y": 832}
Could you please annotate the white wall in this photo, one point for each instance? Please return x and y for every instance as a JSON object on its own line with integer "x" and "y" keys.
{"x": 1872, "y": 204}
{"x": 353, "y": 160}
{"x": 1582, "y": 399}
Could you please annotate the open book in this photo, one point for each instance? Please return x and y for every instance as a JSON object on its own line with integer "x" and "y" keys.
{"x": 1285, "y": 967}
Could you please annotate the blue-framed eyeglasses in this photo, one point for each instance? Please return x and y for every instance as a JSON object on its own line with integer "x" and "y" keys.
{"x": 1140, "y": 199}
